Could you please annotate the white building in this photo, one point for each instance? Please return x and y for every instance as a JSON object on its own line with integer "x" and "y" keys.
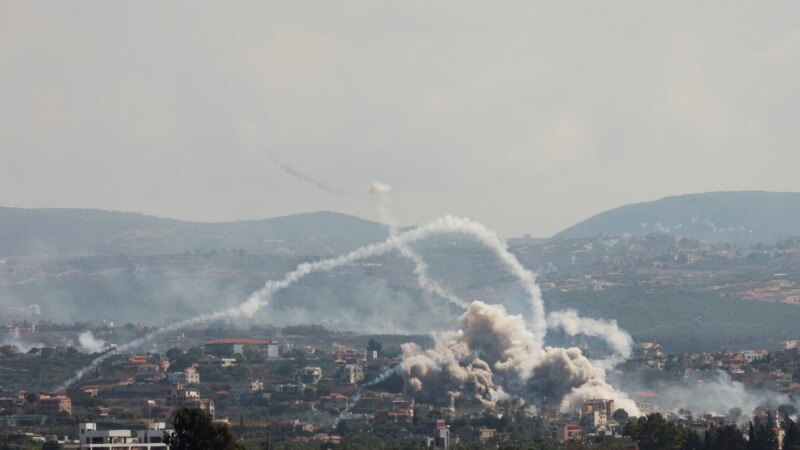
{"x": 89, "y": 437}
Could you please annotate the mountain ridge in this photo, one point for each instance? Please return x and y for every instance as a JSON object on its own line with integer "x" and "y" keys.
{"x": 737, "y": 217}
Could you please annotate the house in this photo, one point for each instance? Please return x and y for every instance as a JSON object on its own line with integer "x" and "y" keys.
{"x": 484, "y": 434}
{"x": 568, "y": 432}
{"x": 179, "y": 396}
{"x": 53, "y": 404}
{"x": 247, "y": 388}
{"x": 350, "y": 374}
{"x": 309, "y": 375}
{"x": 334, "y": 401}
{"x": 188, "y": 376}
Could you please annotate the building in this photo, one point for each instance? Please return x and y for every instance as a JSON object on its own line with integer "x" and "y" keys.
{"x": 53, "y": 404}
{"x": 569, "y": 432}
{"x": 188, "y": 376}
{"x": 334, "y": 401}
{"x": 309, "y": 375}
{"x": 350, "y": 374}
{"x": 247, "y": 388}
{"x": 484, "y": 434}
{"x": 89, "y": 437}
{"x": 297, "y": 388}
{"x": 232, "y": 346}
{"x": 179, "y": 396}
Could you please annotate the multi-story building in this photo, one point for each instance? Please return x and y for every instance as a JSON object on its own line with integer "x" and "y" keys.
{"x": 181, "y": 396}
{"x": 350, "y": 373}
{"x": 89, "y": 437}
{"x": 53, "y": 404}
{"x": 309, "y": 375}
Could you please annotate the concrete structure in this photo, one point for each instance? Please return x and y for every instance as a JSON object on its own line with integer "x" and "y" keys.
{"x": 90, "y": 437}
{"x": 179, "y": 396}
{"x": 246, "y": 388}
{"x": 232, "y": 346}
{"x": 188, "y": 376}
{"x": 350, "y": 374}
{"x": 309, "y": 375}
{"x": 53, "y": 404}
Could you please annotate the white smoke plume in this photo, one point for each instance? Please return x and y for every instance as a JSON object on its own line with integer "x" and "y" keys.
{"x": 260, "y": 298}
{"x": 619, "y": 342}
{"x": 382, "y": 192}
{"x": 495, "y": 355}
{"x": 717, "y": 395}
{"x": 291, "y": 171}
{"x": 89, "y": 343}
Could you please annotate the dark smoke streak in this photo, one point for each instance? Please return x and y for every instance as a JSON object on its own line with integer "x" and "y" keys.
{"x": 291, "y": 171}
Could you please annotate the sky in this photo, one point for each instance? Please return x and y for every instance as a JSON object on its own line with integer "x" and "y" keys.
{"x": 526, "y": 116}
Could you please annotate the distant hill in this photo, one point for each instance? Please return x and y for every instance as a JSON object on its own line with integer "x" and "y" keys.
{"x": 89, "y": 231}
{"x": 740, "y": 218}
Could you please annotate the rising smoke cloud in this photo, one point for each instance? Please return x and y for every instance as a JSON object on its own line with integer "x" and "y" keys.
{"x": 89, "y": 343}
{"x": 493, "y": 356}
{"x": 619, "y": 341}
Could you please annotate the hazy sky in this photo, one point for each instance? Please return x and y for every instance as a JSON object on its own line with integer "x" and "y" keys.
{"x": 528, "y": 117}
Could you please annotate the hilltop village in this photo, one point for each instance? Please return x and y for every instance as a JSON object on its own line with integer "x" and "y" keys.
{"x": 297, "y": 387}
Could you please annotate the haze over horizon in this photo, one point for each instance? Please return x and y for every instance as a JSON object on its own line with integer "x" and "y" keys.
{"x": 527, "y": 119}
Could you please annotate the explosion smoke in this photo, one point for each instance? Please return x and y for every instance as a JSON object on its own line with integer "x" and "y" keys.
{"x": 90, "y": 343}
{"x": 495, "y": 355}
{"x": 260, "y": 298}
{"x": 618, "y": 341}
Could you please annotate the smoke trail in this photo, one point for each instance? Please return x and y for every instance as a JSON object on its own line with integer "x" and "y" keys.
{"x": 357, "y": 397}
{"x": 381, "y": 191}
{"x": 260, "y": 298}
{"x": 618, "y": 341}
{"x": 291, "y": 171}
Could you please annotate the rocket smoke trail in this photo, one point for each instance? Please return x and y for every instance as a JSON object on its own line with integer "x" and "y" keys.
{"x": 260, "y": 298}
{"x": 381, "y": 191}
{"x": 357, "y": 396}
{"x": 291, "y": 171}
{"x": 493, "y": 355}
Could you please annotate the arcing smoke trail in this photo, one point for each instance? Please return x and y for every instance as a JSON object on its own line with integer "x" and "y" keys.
{"x": 260, "y": 298}
{"x": 357, "y": 397}
{"x": 304, "y": 176}
{"x": 381, "y": 191}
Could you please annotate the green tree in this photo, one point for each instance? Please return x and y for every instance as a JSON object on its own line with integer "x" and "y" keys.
{"x": 620, "y": 415}
{"x": 693, "y": 441}
{"x": 791, "y": 441}
{"x": 655, "y": 433}
{"x": 195, "y": 430}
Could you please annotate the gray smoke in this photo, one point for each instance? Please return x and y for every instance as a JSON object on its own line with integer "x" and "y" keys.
{"x": 296, "y": 173}
{"x": 89, "y": 343}
{"x": 494, "y": 355}
{"x": 619, "y": 342}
